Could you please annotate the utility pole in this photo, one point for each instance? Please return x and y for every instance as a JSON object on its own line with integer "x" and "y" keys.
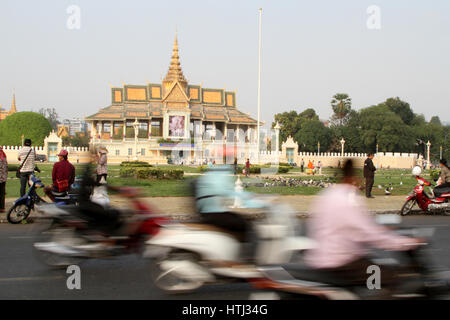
{"x": 259, "y": 83}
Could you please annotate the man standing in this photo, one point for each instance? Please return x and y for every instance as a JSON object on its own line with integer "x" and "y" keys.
{"x": 247, "y": 168}
{"x": 369, "y": 174}
{"x": 27, "y": 156}
{"x": 302, "y": 165}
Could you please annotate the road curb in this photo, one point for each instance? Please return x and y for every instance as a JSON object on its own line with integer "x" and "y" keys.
{"x": 188, "y": 216}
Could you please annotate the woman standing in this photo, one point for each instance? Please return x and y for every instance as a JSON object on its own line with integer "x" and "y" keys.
{"x": 3, "y": 178}
{"x": 102, "y": 160}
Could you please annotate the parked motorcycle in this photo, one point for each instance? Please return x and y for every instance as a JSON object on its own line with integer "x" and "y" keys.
{"x": 419, "y": 279}
{"x": 428, "y": 203}
{"x": 196, "y": 254}
{"x": 73, "y": 236}
{"x": 22, "y": 207}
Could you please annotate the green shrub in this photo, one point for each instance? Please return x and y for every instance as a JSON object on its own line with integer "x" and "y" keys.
{"x": 13, "y": 167}
{"x": 142, "y": 173}
{"x": 154, "y": 173}
{"x": 31, "y": 125}
{"x": 283, "y": 169}
{"x": 126, "y": 172}
{"x": 140, "y": 164}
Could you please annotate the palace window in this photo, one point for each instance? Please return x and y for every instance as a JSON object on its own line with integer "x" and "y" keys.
{"x": 143, "y": 130}
{"x": 106, "y": 127}
{"x": 143, "y": 152}
{"x": 130, "y": 151}
{"x": 117, "y": 152}
{"x": 156, "y": 128}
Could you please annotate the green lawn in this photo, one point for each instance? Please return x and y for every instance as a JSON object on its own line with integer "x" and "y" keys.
{"x": 165, "y": 188}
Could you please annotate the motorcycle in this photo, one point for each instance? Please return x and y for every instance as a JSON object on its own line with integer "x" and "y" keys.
{"x": 192, "y": 255}
{"x": 419, "y": 279}
{"x": 428, "y": 203}
{"x": 22, "y": 207}
{"x": 74, "y": 237}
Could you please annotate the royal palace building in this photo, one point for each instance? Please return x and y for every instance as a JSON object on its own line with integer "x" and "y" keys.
{"x": 173, "y": 121}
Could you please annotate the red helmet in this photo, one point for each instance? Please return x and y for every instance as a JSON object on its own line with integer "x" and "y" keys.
{"x": 63, "y": 153}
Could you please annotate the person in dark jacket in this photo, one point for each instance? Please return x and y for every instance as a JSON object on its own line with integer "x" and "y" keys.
{"x": 63, "y": 175}
{"x": 369, "y": 174}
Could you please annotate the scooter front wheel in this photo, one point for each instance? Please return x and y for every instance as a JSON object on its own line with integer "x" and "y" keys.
{"x": 407, "y": 207}
{"x": 18, "y": 213}
{"x": 170, "y": 280}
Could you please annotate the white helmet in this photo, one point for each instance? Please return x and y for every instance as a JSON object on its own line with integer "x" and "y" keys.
{"x": 416, "y": 171}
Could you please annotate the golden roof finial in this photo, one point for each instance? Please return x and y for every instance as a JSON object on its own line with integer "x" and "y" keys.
{"x": 13, "y": 105}
{"x": 175, "y": 73}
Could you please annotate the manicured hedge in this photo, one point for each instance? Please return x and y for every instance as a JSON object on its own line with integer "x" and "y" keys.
{"x": 13, "y": 167}
{"x": 151, "y": 173}
{"x": 139, "y": 164}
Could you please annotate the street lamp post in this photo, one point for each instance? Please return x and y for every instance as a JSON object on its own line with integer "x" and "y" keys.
{"x": 136, "y": 130}
{"x": 428, "y": 154}
{"x": 318, "y": 148}
{"x": 342, "y": 147}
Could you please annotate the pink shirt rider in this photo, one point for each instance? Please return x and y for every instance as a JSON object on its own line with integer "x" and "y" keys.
{"x": 344, "y": 230}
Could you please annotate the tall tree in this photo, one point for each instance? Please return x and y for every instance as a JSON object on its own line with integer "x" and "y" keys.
{"x": 312, "y": 132}
{"x": 51, "y": 115}
{"x": 381, "y": 126}
{"x": 341, "y": 105}
{"x": 401, "y": 108}
{"x": 289, "y": 123}
{"x": 435, "y": 120}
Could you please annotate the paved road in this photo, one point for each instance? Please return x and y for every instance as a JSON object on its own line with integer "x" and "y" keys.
{"x": 129, "y": 277}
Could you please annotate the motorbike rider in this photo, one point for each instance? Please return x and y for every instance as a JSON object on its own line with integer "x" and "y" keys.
{"x": 211, "y": 190}
{"x": 101, "y": 217}
{"x": 344, "y": 231}
{"x": 63, "y": 176}
{"x": 443, "y": 184}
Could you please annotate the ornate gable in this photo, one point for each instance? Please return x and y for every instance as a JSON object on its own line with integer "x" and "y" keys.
{"x": 176, "y": 94}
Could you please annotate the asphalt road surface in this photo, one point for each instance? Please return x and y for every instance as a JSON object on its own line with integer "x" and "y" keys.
{"x": 22, "y": 276}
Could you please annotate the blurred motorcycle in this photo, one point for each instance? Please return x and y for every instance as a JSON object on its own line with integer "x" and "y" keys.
{"x": 196, "y": 254}
{"x": 74, "y": 235}
{"x": 418, "y": 278}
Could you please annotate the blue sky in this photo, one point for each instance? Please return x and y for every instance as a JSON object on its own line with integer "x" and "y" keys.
{"x": 311, "y": 50}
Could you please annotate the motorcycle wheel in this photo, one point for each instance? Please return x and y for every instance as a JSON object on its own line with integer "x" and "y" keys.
{"x": 169, "y": 281}
{"x": 18, "y": 213}
{"x": 407, "y": 207}
{"x": 55, "y": 233}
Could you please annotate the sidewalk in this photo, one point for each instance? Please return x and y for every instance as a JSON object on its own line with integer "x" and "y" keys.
{"x": 182, "y": 207}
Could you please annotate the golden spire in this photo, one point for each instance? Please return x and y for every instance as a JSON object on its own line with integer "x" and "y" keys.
{"x": 13, "y": 105}
{"x": 175, "y": 73}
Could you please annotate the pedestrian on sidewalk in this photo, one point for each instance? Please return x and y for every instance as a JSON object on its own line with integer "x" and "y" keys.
{"x": 302, "y": 165}
{"x": 247, "y": 168}
{"x": 102, "y": 161}
{"x": 235, "y": 166}
{"x": 319, "y": 165}
{"x": 27, "y": 156}
{"x": 3, "y": 178}
{"x": 369, "y": 174}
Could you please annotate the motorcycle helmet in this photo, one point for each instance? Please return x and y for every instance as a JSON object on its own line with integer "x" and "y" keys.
{"x": 416, "y": 171}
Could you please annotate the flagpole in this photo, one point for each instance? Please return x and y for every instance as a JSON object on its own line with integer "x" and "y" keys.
{"x": 259, "y": 83}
